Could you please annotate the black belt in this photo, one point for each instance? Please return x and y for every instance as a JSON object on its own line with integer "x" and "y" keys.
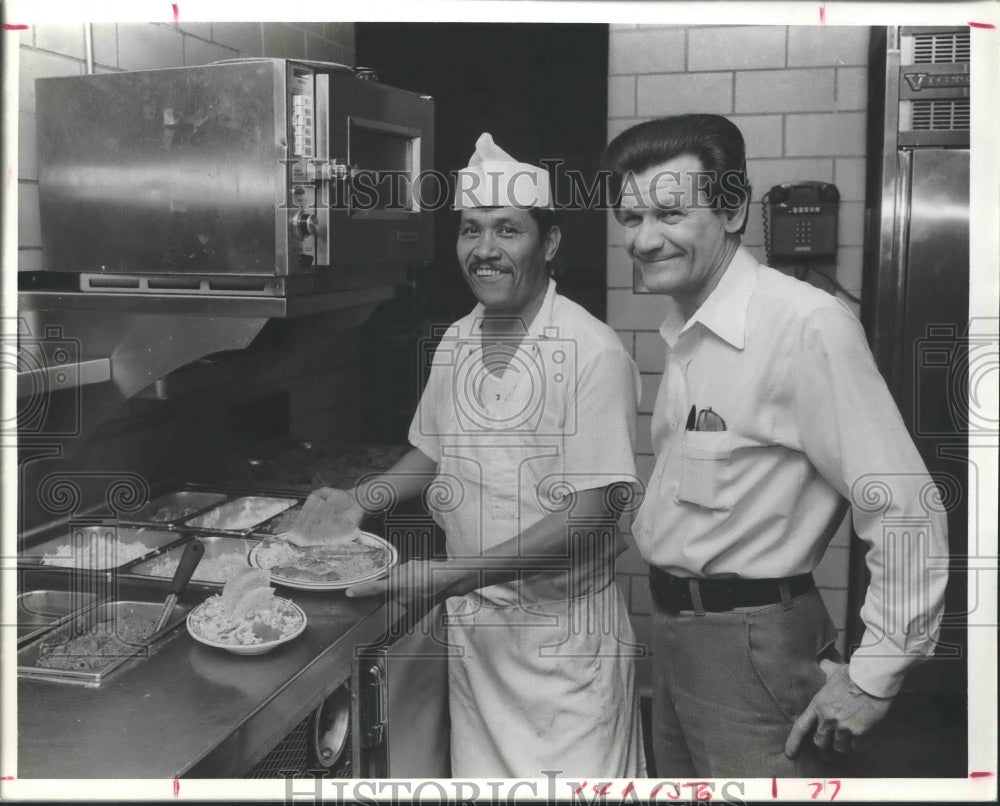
{"x": 718, "y": 595}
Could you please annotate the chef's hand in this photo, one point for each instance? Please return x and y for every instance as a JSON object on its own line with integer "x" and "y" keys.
{"x": 839, "y": 714}
{"x": 416, "y": 579}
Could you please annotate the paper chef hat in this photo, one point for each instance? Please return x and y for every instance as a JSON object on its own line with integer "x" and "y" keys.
{"x": 494, "y": 178}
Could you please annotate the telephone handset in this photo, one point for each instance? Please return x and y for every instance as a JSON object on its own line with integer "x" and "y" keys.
{"x": 800, "y": 220}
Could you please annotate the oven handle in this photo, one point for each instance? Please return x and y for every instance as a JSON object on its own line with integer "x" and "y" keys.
{"x": 335, "y": 170}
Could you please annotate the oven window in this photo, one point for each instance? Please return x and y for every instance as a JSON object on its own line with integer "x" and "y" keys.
{"x": 385, "y": 159}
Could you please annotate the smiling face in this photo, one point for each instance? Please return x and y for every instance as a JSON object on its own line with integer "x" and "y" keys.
{"x": 503, "y": 256}
{"x": 681, "y": 246}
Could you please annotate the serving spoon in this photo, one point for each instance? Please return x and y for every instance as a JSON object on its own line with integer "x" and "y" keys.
{"x": 193, "y": 552}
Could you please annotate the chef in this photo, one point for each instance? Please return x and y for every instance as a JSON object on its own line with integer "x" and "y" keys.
{"x": 523, "y": 439}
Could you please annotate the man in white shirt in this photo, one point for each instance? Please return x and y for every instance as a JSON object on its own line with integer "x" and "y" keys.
{"x": 770, "y": 422}
{"x": 525, "y": 432}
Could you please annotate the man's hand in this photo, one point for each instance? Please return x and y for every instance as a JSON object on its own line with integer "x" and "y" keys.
{"x": 416, "y": 579}
{"x": 839, "y": 713}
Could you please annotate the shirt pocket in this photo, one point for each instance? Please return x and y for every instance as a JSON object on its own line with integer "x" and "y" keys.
{"x": 708, "y": 474}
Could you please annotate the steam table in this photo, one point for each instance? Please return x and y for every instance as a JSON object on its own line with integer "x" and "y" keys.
{"x": 189, "y": 710}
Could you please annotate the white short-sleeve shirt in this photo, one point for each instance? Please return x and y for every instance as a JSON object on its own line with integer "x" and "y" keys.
{"x": 562, "y": 416}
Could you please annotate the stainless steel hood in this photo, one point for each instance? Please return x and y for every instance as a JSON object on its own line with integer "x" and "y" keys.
{"x": 129, "y": 340}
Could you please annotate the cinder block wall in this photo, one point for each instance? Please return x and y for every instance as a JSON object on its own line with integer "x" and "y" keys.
{"x": 59, "y": 50}
{"x": 799, "y": 94}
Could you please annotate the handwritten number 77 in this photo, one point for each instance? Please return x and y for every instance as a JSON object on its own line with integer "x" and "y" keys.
{"x": 819, "y": 786}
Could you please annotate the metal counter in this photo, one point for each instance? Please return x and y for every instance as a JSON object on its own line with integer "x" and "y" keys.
{"x": 190, "y": 710}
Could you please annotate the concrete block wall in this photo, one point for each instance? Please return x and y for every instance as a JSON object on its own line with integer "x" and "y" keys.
{"x": 59, "y": 50}
{"x": 799, "y": 94}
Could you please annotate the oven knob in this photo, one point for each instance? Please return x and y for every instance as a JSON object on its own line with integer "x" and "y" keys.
{"x": 305, "y": 224}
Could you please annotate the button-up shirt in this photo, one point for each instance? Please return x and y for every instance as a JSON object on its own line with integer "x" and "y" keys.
{"x": 810, "y": 429}
{"x": 508, "y": 447}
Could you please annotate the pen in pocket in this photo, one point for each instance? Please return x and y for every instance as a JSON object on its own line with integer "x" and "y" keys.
{"x": 705, "y": 420}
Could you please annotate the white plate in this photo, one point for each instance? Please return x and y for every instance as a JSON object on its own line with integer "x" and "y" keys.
{"x": 340, "y": 584}
{"x": 248, "y": 649}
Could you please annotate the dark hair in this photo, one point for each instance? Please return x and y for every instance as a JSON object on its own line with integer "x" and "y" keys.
{"x": 545, "y": 217}
{"x": 716, "y": 142}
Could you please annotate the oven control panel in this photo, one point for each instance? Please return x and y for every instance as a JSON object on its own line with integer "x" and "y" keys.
{"x": 304, "y": 231}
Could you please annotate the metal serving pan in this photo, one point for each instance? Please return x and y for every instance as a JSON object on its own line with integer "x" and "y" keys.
{"x": 103, "y": 618}
{"x": 241, "y": 515}
{"x": 281, "y": 522}
{"x": 176, "y": 507}
{"x": 38, "y": 611}
{"x": 115, "y": 545}
{"x": 163, "y": 565}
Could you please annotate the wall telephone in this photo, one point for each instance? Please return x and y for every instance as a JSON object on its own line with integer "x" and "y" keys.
{"x": 800, "y": 220}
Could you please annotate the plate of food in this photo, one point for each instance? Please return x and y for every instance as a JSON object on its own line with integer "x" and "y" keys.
{"x": 246, "y": 618}
{"x": 326, "y": 566}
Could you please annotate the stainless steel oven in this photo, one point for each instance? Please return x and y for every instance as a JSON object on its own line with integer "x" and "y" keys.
{"x": 247, "y": 167}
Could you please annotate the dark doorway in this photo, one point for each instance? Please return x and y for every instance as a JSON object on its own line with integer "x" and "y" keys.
{"x": 541, "y": 91}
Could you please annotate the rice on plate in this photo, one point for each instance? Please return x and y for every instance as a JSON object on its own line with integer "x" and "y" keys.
{"x": 246, "y": 614}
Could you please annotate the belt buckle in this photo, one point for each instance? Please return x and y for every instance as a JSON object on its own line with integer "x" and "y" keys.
{"x": 661, "y": 590}
{"x": 719, "y": 598}
{"x": 727, "y": 596}
{"x": 677, "y": 594}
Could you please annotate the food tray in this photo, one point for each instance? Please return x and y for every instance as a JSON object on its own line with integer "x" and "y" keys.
{"x": 113, "y": 611}
{"x": 215, "y": 547}
{"x": 38, "y": 611}
{"x": 281, "y": 522}
{"x": 241, "y": 514}
{"x": 176, "y": 507}
{"x": 134, "y": 542}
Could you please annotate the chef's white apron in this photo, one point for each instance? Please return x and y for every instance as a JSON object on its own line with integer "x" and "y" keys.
{"x": 530, "y": 697}
{"x": 545, "y": 676}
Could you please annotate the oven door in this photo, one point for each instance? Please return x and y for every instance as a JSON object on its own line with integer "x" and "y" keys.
{"x": 173, "y": 171}
{"x": 401, "y": 707}
{"x": 381, "y": 148}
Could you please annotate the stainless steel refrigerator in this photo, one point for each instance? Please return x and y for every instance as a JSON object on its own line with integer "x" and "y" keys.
{"x": 916, "y": 286}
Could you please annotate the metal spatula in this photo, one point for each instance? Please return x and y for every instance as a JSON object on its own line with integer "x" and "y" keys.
{"x": 193, "y": 552}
